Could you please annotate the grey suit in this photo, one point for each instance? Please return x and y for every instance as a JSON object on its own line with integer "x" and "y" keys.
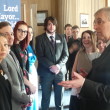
{"x": 47, "y": 57}
{"x": 15, "y": 77}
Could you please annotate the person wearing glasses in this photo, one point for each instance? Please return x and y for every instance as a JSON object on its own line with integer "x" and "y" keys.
{"x": 13, "y": 71}
{"x": 19, "y": 48}
{"x": 95, "y": 88}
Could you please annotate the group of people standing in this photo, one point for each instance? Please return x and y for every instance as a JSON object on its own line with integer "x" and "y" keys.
{"x": 89, "y": 70}
{"x": 16, "y": 65}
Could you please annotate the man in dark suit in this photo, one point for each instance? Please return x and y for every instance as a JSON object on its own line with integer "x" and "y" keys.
{"x": 12, "y": 68}
{"x": 52, "y": 53}
{"x": 95, "y": 89}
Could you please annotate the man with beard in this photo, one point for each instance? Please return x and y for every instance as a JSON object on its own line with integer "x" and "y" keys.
{"x": 52, "y": 53}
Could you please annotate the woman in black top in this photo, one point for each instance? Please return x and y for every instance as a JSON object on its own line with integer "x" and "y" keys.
{"x": 5, "y": 88}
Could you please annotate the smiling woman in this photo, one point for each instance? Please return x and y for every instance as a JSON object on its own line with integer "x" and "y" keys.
{"x": 83, "y": 63}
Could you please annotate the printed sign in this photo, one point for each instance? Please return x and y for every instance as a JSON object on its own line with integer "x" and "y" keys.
{"x": 10, "y": 10}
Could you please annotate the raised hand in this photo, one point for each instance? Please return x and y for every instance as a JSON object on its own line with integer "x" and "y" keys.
{"x": 77, "y": 82}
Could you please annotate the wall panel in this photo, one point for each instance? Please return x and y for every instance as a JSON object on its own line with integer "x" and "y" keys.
{"x": 73, "y": 11}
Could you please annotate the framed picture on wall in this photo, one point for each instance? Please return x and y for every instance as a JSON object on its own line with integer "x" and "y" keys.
{"x": 84, "y": 20}
{"x": 41, "y": 15}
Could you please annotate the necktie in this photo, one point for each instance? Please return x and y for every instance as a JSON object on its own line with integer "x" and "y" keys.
{"x": 52, "y": 41}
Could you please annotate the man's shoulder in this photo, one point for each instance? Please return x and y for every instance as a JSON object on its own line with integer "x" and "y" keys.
{"x": 58, "y": 34}
{"x": 41, "y": 35}
{"x": 6, "y": 60}
{"x": 61, "y": 36}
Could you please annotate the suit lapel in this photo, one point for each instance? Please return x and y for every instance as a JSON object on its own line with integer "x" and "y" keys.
{"x": 13, "y": 63}
{"x": 98, "y": 61}
{"x": 11, "y": 59}
{"x": 58, "y": 41}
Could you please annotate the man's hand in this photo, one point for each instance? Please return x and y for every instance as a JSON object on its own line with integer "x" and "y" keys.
{"x": 54, "y": 69}
{"x": 77, "y": 82}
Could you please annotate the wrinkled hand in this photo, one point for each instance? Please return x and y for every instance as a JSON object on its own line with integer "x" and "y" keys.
{"x": 54, "y": 69}
{"x": 77, "y": 82}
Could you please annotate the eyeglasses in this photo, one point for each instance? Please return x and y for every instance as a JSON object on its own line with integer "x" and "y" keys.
{"x": 99, "y": 21}
{"x": 21, "y": 31}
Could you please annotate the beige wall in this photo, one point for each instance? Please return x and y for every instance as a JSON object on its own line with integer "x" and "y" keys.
{"x": 108, "y": 2}
{"x": 76, "y": 7}
{"x": 71, "y": 13}
{"x": 43, "y": 5}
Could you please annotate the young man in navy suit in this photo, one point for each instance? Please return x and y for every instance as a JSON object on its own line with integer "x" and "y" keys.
{"x": 52, "y": 53}
{"x": 95, "y": 89}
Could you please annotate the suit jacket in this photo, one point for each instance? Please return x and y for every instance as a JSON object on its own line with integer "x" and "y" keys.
{"x": 47, "y": 56}
{"x": 15, "y": 77}
{"x": 95, "y": 92}
{"x": 5, "y": 93}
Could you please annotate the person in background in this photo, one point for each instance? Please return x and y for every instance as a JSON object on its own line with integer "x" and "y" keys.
{"x": 73, "y": 49}
{"x": 83, "y": 63}
{"x": 68, "y": 32}
{"x": 21, "y": 41}
{"x": 95, "y": 88}
{"x": 52, "y": 54}
{"x": 5, "y": 87}
{"x": 12, "y": 69}
{"x": 75, "y": 35}
{"x": 74, "y": 40}
{"x": 33, "y": 77}
{"x": 75, "y": 32}
{"x": 101, "y": 45}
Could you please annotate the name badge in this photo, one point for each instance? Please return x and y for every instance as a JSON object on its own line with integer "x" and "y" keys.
{"x": 5, "y": 76}
{"x": 30, "y": 54}
{"x": 58, "y": 41}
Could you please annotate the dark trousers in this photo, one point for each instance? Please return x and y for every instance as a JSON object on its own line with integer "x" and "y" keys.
{"x": 74, "y": 103}
{"x": 46, "y": 85}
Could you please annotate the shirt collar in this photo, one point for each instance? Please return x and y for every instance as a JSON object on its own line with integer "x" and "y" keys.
{"x": 48, "y": 35}
{"x": 108, "y": 43}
